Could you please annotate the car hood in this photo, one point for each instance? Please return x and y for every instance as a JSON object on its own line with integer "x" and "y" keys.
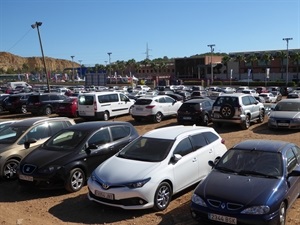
{"x": 41, "y": 157}
{"x": 120, "y": 170}
{"x": 236, "y": 188}
{"x": 285, "y": 114}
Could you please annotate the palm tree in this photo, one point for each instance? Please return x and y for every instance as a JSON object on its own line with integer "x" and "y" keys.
{"x": 225, "y": 61}
{"x": 296, "y": 58}
{"x": 240, "y": 58}
{"x": 281, "y": 55}
{"x": 130, "y": 64}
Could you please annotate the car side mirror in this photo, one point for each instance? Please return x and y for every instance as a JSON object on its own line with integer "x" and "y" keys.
{"x": 294, "y": 173}
{"x": 28, "y": 142}
{"x": 211, "y": 163}
{"x": 176, "y": 158}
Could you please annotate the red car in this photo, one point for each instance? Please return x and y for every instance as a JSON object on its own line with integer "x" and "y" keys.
{"x": 68, "y": 107}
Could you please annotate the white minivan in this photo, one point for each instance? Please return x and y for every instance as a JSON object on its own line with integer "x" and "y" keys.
{"x": 103, "y": 105}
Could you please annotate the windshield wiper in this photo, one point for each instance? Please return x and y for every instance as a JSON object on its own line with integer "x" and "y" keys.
{"x": 251, "y": 172}
{"x": 225, "y": 169}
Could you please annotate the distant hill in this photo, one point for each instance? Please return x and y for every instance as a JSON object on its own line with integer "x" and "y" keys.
{"x": 10, "y": 62}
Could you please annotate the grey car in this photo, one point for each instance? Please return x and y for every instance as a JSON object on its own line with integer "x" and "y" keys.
{"x": 285, "y": 114}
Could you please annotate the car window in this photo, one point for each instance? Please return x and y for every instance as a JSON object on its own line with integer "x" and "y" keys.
{"x": 54, "y": 97}
{"x": 119, "y": 132}
{"x": 210, "y": 137}
{"x": 184, "y": 147}
{"x": 65, "y": 140}
{"x": 44, "y": 97}
{"x": 39, "y": 132}
{"x": 198, "y": 141}
{"x": 100, "y": 137}
{"x": 162, "y": 100}
{"x": 246, "y": 100}
{"x": 291, "y": 160}
{"x": 297, "y": 152}
{"x": 169, "y": 100}
{"x": 252, "y": 100}
{"x": 124, "y": 98}
{"x": 86, "y": 100}
{"x": 56, "y": 126}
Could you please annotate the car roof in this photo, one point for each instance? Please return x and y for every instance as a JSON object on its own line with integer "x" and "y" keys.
{"x": 95, "y": 125}
{"x": 31, "y": 121}
{"x": 198, "y": 100}
{"x": 234, "y": 94}
{"x": 290, "y": 100}
{"x": 262, "y": 145}
{"x": 172, "y": 132}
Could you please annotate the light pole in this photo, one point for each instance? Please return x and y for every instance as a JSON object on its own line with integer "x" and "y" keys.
{"x": 72, "y": 56}
{"x": 80, "y": 68}
{"x": 109, "y": 53}
{"x": 36, "y": 25}
{"x": 287, "y": 58}
{"x": 211, "y": 65}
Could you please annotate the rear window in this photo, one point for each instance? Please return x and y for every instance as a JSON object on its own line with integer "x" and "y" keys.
{"x": 143, "y": 102}
{"x": 222, "y": 100}
{"x": 86, "y": 100}
{"x": 190, "y": 106}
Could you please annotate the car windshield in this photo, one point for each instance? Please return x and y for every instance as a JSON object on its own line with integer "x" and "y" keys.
{"x": 288, "y": 106}
{"x": 11, "y": 134}
{"x": 65, "y": 140}
{"x": 251, "y": 163}
{"x": 147, "y": 149}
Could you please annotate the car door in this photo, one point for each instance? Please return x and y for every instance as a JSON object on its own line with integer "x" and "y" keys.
{"x": 172, "y": 105}
{"x": 292, "y": 164}
{"x": 187, "y": 168}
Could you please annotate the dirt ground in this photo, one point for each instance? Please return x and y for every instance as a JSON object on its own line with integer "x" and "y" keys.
{"x": 19, "y": 206}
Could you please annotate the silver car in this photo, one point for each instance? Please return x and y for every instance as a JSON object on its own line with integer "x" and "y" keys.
{"x": 285, "y": 114}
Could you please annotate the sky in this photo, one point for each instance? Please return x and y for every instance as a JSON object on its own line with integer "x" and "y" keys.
{"x": 136, "y": 29}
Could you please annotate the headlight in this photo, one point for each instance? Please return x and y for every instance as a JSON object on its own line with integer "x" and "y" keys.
{"x": 198, "y": 200}
{"x": 137, "y": 184}
{"x": 257, "y": 210}
{"x": 296, "y": 120}
{"x": 50, "y": 169}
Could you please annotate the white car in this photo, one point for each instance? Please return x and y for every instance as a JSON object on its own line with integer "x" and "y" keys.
{"x": 150, "y": 170}
{"x": 155, "y": 107}
{"x": 269, "y": 97}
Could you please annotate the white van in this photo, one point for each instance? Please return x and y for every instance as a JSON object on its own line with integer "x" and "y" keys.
{"x": 13, "y": 85}
{"x": 103, "y": 105}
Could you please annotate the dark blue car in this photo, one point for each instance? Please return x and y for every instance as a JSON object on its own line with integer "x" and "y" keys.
{"x": 254, "y": 182}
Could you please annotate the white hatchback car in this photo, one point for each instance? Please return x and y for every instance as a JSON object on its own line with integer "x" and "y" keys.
{"x": 155, "y": 107}
{"x": 150, "y": 170}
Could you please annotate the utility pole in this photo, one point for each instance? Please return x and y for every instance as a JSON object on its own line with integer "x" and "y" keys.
{"x": 211, "y": 64}
{"x": 287, "y": 58}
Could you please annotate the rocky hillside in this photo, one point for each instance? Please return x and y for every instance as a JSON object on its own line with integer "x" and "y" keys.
{"x": 10, "y": 62}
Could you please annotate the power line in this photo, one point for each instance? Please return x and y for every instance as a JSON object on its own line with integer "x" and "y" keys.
{"x": 19, "y": 40}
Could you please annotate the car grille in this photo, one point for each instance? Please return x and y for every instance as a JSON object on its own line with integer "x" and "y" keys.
{"x": 28, "y": 169}
{"x": 224, "y": 205}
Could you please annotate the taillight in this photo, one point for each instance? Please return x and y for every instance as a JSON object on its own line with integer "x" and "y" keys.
{"x": 150, "y": 106}
{"x": 223, "y": 141}
{"x": 95, "y": 106}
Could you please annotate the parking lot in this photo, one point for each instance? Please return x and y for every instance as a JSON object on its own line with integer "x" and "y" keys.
{"x": 23, "y": 206}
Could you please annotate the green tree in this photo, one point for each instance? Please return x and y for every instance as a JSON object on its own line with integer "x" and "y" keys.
{"x": 239, "y": 59}
{"x": 281, "y": 55}
{"x": 225, "y": 61}
{"x": 295, "y": 56}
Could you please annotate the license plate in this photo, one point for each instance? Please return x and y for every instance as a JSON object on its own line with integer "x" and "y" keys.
{"x": 104, "y": 195}
{"x": 62, "y": 107}
{"x": 224, "y": 219}
{"x": 187, "y": 118}
{"x": 24, "y": 177}
{"x": 139, "y": 109}
{"x": 283, "y": 124}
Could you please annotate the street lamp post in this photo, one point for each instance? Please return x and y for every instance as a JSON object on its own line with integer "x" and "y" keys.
{"x": 72, "y": 56}
{"x": 211, "y": 64}
{"x": 109, "y": 53}
{"x": 80, "y": 68}
{"x": 287, "y": 58}
{"x": 36, "y": 25}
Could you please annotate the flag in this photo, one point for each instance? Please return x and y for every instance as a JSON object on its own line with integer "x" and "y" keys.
{"x": 231, "y": 73}
{"x": 249, "y": 72}
{"x": 268, "y": 73}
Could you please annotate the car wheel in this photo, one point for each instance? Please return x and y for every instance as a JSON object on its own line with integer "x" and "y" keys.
{"x": 106, "y": 116}
{"x": 10, "y": 169}
{"x": 158, "y": 117}
{"x": 162, "y": 196}
{"x": 48, "y": 111}
{"x": 282, "y": 214}
{"x": 227, "y": 111}
{"x": 261, "y": 116}
{"x": 75, "y": 181}
{"x": 246, "y": 124}
{"x": 205, "y": 120}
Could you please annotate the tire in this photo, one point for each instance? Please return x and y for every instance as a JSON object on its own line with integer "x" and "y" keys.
{"x": 106, "y": 116}
{"x": 76, "y": 180}
{"x": 261, "y": 116}
{"x": 10, "y": 169}
{"x": 48, "y": 111}
{"x": 162, "y": 196}
{"x": 157, "y": 117}
{"x": 246, "y": 124}
{"x": 227, "y": 111}
{"x": 205, "y": 121}
{"x": 282, "y": 214}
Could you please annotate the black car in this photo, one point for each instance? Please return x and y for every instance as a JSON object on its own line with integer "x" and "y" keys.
{"x": 195, "y": 111}
{"x": 16, "y": 103}
{"x": 3, "y": 100}
{"x": 44, "y": 103}
{"x": 68, "y": 158}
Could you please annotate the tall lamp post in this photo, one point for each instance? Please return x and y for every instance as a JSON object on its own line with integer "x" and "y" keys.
{"x": 36, "y": 25}
{"x": 211, "y": 64}
{"x": 72, "y": 56}
{"x": 109, "y": 53}
{"x": 80, "y": 68}
{"x": 287, "y": 58}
